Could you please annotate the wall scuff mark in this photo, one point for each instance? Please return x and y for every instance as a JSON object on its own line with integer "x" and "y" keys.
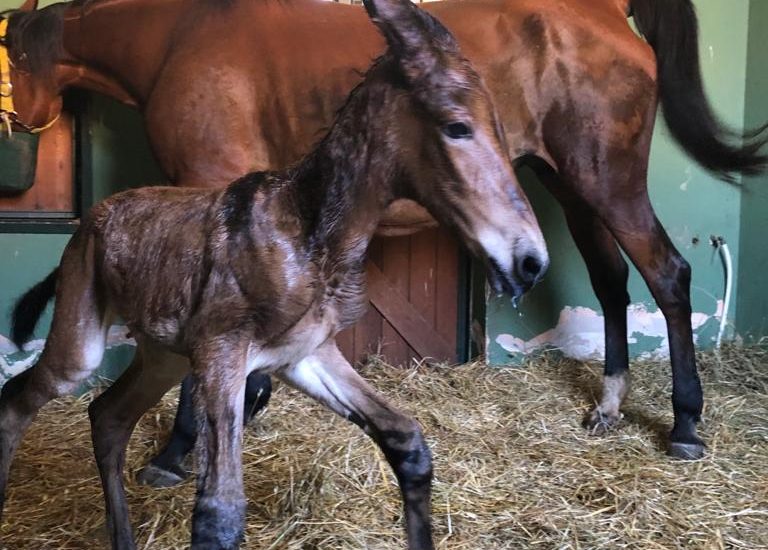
{"x": 579, "y": 332}
{"x": 13, "y": 361}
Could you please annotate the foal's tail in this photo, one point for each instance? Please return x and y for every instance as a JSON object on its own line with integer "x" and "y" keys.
{"x": 29, "y": 308}
{"x": 671, "y": 28}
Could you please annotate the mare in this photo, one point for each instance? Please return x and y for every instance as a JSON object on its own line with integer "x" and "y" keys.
{"x": 261, "y": 276}
{"x": 231, "y": 86}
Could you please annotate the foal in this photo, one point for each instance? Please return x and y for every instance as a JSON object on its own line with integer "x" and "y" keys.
{"x": 260, "y": 276}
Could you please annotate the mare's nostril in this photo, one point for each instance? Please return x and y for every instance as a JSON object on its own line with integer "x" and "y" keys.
{"x": 530, "y": 269}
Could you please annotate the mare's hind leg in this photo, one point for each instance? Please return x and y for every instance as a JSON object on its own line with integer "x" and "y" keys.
{"x": 631, "y": 220}
{"x": 608, "y": 273}
{"x": 73, "y": 350}
{"x": 114, "y": 415}
{"x": 166, "y": 469}
{"x": 330, "y": 379}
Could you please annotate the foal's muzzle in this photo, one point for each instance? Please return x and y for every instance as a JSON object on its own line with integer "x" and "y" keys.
{"x": 526, "y": 272}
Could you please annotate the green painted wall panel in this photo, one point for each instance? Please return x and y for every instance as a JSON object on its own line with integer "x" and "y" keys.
{"x": 689, "y": 202}
{"x": 27, "y": 259}
{"x": 752, "y": 296}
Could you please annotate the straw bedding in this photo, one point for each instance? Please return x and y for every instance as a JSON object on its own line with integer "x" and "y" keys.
{"x": 513, "y": 467}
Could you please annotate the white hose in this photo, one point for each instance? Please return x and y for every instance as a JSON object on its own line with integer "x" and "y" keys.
{"x": 726, "y": 257}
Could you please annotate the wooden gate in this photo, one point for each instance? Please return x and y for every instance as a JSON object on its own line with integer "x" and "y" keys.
{"x": 413, "y": 286}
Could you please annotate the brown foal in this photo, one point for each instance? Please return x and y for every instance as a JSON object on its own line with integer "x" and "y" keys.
{"x": 227, "y": 87}
{"x": 260, "y": 276}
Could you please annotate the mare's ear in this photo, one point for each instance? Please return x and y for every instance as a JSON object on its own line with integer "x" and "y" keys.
{"x": 421, "y": 44}
{"x": 28, "y": 5}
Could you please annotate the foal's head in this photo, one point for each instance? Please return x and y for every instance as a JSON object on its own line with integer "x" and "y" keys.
{"x": 451, "y": 148}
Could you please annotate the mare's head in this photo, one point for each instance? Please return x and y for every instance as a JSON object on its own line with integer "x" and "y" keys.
{"x": 33, "y": 43}
{"x": 451, "y": 147}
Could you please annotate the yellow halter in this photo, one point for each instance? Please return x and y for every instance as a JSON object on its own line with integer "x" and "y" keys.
{"x": 8, "y": 114}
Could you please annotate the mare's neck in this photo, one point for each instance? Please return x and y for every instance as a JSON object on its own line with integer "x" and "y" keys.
{"x": 110, "y": 48}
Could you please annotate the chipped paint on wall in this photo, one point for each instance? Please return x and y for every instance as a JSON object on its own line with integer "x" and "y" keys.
{"x": 13, "y": 361}
{"x": 579, "y": 332}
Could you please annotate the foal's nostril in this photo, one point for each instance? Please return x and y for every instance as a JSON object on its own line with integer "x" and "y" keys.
{"x": 530, "y": 269}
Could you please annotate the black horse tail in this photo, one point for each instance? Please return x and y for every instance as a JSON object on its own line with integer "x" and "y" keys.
{"x": 671, "y": 28}
{"x": 29, "y": 308}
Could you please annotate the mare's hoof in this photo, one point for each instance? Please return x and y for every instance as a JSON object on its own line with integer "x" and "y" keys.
{"x": 158, "y": 477}
{"x": 686, "y": 451}
{"x": 597, "y": 422}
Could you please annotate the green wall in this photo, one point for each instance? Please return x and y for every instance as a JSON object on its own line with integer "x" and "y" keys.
{"x": 562, "y": 311}
{"x": 752, "y": 295}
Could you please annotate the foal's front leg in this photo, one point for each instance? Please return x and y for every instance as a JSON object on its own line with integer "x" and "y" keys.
{"x": 330, "y": 379}
{"x": 218, "y": 370}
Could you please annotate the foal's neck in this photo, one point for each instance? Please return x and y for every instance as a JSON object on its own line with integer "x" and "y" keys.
{"x": 346, "y": 183}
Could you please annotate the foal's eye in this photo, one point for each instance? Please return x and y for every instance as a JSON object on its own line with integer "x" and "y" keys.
{"x": 457, "y": 130}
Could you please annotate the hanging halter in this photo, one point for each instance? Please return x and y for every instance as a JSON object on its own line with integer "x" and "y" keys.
{"x": 8, "y": 114}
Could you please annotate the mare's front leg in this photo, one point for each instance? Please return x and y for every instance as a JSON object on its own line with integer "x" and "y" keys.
{"x": 113, "y": 417}
{"x": 330, "y": 379}
{"x": 608, "y": 273}
{"x": 218, "y": 371}
{"x": 167, "y": 469}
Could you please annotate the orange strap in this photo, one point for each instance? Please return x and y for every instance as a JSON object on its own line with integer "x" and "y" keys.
{"x": 6, "y": 88}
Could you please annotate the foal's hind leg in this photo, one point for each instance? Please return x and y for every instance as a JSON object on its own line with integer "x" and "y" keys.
{"x": 114, "y": 415}
{"x": 330, "y": 379}
{"x": 74, "y": 349}
{"x": 608, "y": 273}
{"x": 166, "y": 468}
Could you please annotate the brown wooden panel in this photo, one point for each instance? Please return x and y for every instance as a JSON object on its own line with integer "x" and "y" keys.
{"x": 447, "y": 286}
{"x": 396, "y": 268}
{"x": 412, "y": 285}
{"x": 53, "y": 190}
{"x": 422, "y": 273}
{"x": 405, "y": 318}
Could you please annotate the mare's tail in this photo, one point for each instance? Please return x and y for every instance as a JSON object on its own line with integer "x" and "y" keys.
{"x": 30, "y": 307}
{"x": 671, "y": 28}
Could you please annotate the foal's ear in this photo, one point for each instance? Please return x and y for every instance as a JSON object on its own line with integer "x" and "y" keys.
{"x": 28, "y": 5}
{"x": 419, "y": 41}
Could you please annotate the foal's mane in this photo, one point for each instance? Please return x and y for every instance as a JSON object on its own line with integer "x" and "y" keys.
{"x": 34, "y": 38}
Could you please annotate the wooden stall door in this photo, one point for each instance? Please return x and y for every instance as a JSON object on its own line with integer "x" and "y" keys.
{"x": 413, "y": 286}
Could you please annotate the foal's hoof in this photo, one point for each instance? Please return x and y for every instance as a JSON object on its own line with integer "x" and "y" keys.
{"x": 158, "y": 477}
{"x": 686, "y": 451}
{"x": 599, "y": 422}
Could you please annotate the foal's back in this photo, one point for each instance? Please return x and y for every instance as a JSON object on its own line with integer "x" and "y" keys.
{"x": 175, "y": 265}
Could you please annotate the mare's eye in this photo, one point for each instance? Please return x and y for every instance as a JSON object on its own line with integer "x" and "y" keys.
{"x": 457, "y": 130}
